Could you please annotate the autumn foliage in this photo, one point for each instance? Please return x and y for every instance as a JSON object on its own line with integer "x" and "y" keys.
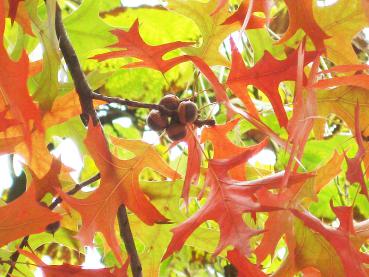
{"x": 266, "y": 177}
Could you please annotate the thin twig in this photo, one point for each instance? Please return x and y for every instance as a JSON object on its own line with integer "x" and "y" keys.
{"x": 131, "y": 103}
{"x": 126, "y": 235}
{"x": 200, "y": 123}
{"x": 14, "y": 257}
{"x": 74, "y": 190}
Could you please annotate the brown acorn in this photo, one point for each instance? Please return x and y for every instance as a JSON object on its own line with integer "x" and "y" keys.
{"x": 176, "y": 131}
{"x": 157, "y": 121}
{"x": 170, "y": 101}
{"x": 187, "y": 112}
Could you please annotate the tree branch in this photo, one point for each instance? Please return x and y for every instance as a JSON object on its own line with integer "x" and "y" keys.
{"x": 126, "y": 235}
{"x": 82, "y": 87}
{"x": 85, "y": 94}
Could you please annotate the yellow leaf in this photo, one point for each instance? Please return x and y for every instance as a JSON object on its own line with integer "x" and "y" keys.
{"x": 342, "y": 21}
{"x": 211, "y": 28}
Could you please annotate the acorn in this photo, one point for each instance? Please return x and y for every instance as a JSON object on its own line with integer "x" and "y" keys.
{"x": 157, "y": 121}
{"x": 176, "y": 131}
{"x": 187, "y": 112}
{"x": 170, "y": 101}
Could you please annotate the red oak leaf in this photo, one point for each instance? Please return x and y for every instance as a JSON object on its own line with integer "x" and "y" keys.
{"x": 13, "y": 7}
{"x": 225, "y": 204}
{"x": 301, "y": 17}
{"x": 358, "y": 79}
{"x": 20, "y": 14}
{"x": 237, "y": 87}
{"x": 74, "y": 270}
{"x": 244, "y": 267}
{"x": 239, "y": 16}
{"x": 193, "y": 161}
{"x": 304, "y": 112}
{"x": 352, "y": 259}
{"x": 223, "y": 147}
{"x": 119, "y": 185}
{"x": 227, "y": 201}
{"x": 266, "y": 76}
{"x": 280, "y": 223}
{"x": 24, "y": 216}
{"x": 150, "y": 56}
{"x": 354, "y": 173}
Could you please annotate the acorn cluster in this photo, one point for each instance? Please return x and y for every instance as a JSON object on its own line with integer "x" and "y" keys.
{"x": 181, "y": 113}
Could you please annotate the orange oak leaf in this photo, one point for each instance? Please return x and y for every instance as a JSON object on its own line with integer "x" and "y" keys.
{"x": 119, "y": 185}
{"x": 13, "y": 86}
{"x": 7, "y": 145}
{"x": 24, "y": 216}
{"x": 134, "y": 46}
{"x": 244, "y": 267}
{"x": 227, "y": 201}
{"x": 5, "y": 122}
{"x": 50, "y": 182}
{"x": 301, "y": 17}
{"x": 223, "y": 147}
{"x": 39, "y": 159}
{"x": 266, "y": 76}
